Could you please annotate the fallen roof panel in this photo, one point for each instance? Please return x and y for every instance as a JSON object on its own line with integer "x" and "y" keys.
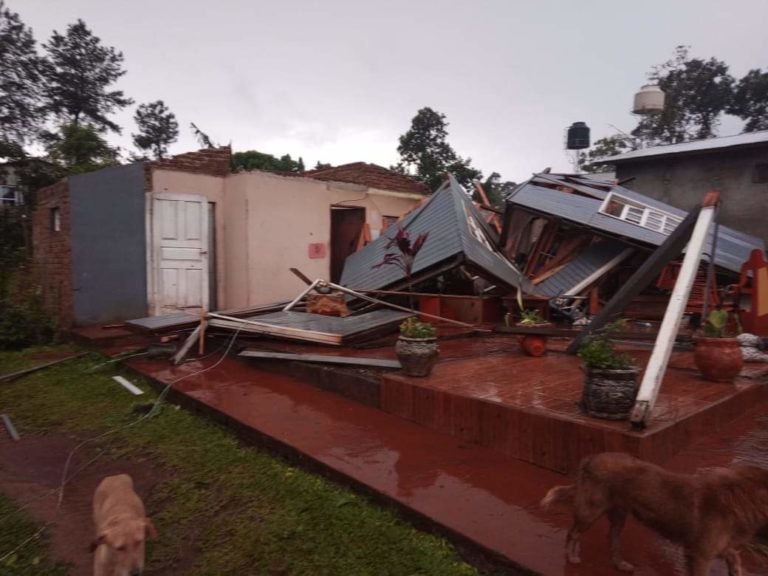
{"x": 455, "y": 228}
{"x": 305, "y": 326}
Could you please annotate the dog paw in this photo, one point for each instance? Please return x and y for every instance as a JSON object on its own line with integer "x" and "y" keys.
{"x": 625, "y": 566}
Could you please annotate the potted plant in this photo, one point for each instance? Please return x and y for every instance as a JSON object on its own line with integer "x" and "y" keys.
{"x": 533, "y": 344}
{"x": 610, "y": 383}
{"x": 716, "y": 353}
{"x": 417, "y": 347}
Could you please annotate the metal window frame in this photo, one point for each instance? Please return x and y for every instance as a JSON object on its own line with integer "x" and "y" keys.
{"x": 647, "y": 213}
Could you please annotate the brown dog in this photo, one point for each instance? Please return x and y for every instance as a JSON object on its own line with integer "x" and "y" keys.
{"x": 121, "y": 528}
{"x": 711, "y": 513}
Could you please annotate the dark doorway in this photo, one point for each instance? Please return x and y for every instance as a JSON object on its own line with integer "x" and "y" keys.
{"x": 346, "y": 226}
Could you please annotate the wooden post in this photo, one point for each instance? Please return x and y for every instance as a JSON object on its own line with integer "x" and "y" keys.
{"x": 657, "y": 365}
{"x": 201, "y": 342}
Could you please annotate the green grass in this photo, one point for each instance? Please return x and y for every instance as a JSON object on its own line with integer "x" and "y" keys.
{"x": 239, "y": 510}
{"x": 18, "y": 558}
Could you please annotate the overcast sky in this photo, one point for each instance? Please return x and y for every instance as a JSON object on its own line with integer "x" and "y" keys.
{"x": 340, "y": 80}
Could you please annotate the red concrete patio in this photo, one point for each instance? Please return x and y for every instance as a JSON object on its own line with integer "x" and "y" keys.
{"x": 457, "y": 449}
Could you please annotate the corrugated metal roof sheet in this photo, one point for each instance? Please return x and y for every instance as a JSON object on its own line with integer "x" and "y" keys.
{"x": 592, "y": 258}
{"x": 455, "y": 228}
{"x": 746, "y": 139}
{"x": 733, "y": 247}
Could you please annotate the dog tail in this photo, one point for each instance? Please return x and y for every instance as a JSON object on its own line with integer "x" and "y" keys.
{"x": 558, "y": 496}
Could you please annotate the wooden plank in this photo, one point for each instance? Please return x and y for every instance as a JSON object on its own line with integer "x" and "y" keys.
{"x": 657, "y": 364}
{"x": 187, "y": 346}
{"x": 14, "y": 375}
{"x": 301, "y": 276}
{"x": 279, "y": 331}
{"x": 323, "y": 359}
{"x": 644, "y": 275}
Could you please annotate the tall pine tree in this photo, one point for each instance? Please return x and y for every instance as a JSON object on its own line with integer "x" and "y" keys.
{"x": 21, "y": 86}
{"x": 80, "y": 76}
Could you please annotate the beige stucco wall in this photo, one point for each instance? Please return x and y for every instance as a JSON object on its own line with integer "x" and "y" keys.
{"x": 265, "y": 224}
{"x": 212, "y": 187}
{"x": 272, "y": 220}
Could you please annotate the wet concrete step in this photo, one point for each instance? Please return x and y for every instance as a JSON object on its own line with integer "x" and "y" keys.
{"x": 474, "y": 495}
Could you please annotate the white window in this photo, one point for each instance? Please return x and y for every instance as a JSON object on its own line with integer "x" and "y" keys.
{"x": 638, "y": 213}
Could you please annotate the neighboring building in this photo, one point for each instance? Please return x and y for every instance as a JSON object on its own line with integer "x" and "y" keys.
{"x": 680, "y": 175}
{"x": 185, "y": 233}
{"x": 10, "y": 193}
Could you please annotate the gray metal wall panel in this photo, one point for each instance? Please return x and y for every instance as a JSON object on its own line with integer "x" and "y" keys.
{"x": 109, "y": 275}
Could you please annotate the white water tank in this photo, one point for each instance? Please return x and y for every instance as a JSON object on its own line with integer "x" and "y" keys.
{"x": 649, "y": 100}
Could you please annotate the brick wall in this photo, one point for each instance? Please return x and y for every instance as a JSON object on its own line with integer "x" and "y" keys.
{"x": 210, "y": 161}
{"x": 52, "y": 252}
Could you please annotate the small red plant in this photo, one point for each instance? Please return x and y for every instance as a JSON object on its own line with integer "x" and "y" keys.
{"x": 406, "y": 255}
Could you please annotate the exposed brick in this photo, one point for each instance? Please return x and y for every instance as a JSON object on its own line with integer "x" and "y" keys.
{"x": 211, "y": 161}
{"x": 52, "y": 252}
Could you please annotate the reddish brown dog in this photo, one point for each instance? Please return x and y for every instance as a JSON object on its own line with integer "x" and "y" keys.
{"x": 121, "y": 528}
{"x": 711, "y": 514}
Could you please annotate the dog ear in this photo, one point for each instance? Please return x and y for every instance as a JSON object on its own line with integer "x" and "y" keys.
{"x": 150, "y": 528}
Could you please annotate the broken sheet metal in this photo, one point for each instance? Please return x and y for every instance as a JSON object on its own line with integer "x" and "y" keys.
{"x": 458, "y": 235}
{"x": 579, "y": 200}
{"x": 591, "y": 264}
{"x": 332, "y": 330}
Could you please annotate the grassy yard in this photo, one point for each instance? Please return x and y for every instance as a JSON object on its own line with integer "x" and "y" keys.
{"x": 246, "y": 511}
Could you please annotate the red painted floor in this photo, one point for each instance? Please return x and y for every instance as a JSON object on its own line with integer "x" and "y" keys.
{"x": 475, "y": 492}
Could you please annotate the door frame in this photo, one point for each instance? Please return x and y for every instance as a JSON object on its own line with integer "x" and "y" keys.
{"x": 153, "y": 248}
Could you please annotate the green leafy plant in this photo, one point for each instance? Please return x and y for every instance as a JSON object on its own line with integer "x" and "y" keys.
{"x": 412, "y": 328}
{"x": 716, "y": 325}
{"x": 531, "y": 318}
{"x": 598, "y": 352}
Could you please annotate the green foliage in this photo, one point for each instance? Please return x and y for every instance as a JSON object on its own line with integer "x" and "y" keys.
{"x": 79, "y": 148}
{"x": 412, "y": 328}
{"x": 496, "y": 189}
{"x": 158, "y": 128}
{"x": 531, "y": 318}
{"x": 750, "y": 100}
{"x": 604, "y": 147}
{"x": 80, "y": 74}
{"x": 16, "y": 557}
{"x": 716, "y": 324}
{"x": 598, "y": 352}
{"x": 203, "y": 138}
{"x": 21, "y": 82}
{"x": 245, "y": 511}
{"x": 425, "y": 154}
{"x": 697, "y": 93}
{"x": 24, "y": 324}
{"x": 322, "y": 166}
{"x": 255, "y": 160}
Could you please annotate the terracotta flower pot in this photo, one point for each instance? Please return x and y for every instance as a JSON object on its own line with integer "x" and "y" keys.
{"x": 533, "y": 344}
{"x": 609, "y": 394}
{"x": 718, "y": 359}
{"x": 417, "y": 355}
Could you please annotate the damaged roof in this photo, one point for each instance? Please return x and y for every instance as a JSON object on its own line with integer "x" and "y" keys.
{"x": 457, "y": 235}
{"x": 583, "y": 208}
{"x": 370, "y": 175}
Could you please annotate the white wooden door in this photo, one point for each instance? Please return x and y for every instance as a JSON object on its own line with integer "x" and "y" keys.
{"x": 180, "y": 253}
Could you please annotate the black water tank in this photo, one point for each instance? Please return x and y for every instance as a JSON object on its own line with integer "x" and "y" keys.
{"x": 578, "y": 136}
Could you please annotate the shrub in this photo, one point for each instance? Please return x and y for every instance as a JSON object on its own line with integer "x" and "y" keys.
{"x": 24, "y": 324}
{"x": 412, "y": 328}
{"x": 598, "y": 352}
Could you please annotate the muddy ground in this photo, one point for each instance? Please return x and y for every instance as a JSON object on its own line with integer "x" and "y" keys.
{"x": 31, "y": 473}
